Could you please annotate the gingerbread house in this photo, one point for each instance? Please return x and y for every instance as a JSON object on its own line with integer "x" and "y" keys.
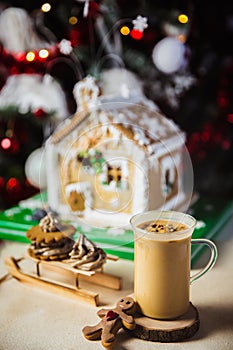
{"x": 114, "y": 158}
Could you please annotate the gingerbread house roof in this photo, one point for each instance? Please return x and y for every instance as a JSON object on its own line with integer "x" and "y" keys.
{"x": 140, "y": 122}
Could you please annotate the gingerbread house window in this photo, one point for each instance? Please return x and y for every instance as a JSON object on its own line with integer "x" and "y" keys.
{"x": 168, "y": 176}
{"x": 114, "y": 174}
{"x": 92, "y": 161}
{"x": 169, "y": 182}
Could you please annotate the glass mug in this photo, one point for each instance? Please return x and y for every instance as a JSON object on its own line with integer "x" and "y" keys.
{"x": 162, "y": 264}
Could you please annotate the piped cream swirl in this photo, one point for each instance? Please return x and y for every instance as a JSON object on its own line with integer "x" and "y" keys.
{"x": 86, "y": 255}
{"x": 50, "y": 223}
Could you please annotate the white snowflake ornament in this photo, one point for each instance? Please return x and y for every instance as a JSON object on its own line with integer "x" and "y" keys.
{"x": 140, "y": 23}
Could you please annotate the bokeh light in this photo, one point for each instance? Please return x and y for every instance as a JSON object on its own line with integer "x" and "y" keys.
{"x": 46, "y": 7}
{"x": 73, "y": 20}
{"x": 6, "y": 143}
{"x": 182, "y": 18}
{"x": 30, "y": 56}
{"x": 43, "y": 53}
{"x": 125, "y": 30}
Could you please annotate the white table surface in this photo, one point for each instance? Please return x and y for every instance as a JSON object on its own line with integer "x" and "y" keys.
{"x": 33, "y": 319}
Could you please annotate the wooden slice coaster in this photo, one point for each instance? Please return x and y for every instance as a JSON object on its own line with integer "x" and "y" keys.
{"x": 179, "y": 329}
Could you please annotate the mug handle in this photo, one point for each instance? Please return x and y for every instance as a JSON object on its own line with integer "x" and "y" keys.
{"x": 212, "y": 259}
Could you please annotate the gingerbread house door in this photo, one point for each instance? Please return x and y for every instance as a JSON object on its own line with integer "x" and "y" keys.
{"x": 79, "y": 197}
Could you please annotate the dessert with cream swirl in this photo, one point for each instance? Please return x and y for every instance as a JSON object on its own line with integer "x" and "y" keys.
{"x": 51, "y": 239}
{"x": 86, "y": 255}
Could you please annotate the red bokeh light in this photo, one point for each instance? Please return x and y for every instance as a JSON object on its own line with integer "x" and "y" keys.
{"x": 39, "y": 113}
{"x": 13, "y": 184}
{"x": 6, "y": 143}
{"x": 136, "y": 34}
{"x": 10, "y": 145}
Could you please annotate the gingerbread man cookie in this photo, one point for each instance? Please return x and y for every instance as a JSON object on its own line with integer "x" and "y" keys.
{"x": 112, "y": 320}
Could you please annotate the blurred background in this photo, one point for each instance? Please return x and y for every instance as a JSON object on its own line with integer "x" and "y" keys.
{"x": 181, "y": 51}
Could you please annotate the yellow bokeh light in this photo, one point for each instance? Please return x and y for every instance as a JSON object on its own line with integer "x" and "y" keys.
{"x": 30, "y": 56}
{"x": 125, "y": 30}
{"x": 43, "y": 53}
{"x": 46, "y": 7}
{"x": 73, "y": 20}
{"x": 182, "y": 18}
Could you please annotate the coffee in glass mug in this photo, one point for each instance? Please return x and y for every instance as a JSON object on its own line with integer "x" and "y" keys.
{"x": 162, "y": 259}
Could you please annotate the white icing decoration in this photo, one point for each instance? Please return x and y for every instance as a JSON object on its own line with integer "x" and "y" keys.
{"x": 86, "y": 92}
{"x": 115, "y": 231}
{"x": 114, "y": 203}
{"x": 12, "y": 211}
{"x": 200, "y": 224}
{"x": 125, "y": 92}
{"x": 85, "y": 228}
{"x": 27, "y": 218}
{"x": 140, "y": 182}
{"x": 30, "y": 203}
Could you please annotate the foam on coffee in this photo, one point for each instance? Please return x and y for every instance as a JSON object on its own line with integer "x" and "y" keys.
{"x": 162, "y": 226}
